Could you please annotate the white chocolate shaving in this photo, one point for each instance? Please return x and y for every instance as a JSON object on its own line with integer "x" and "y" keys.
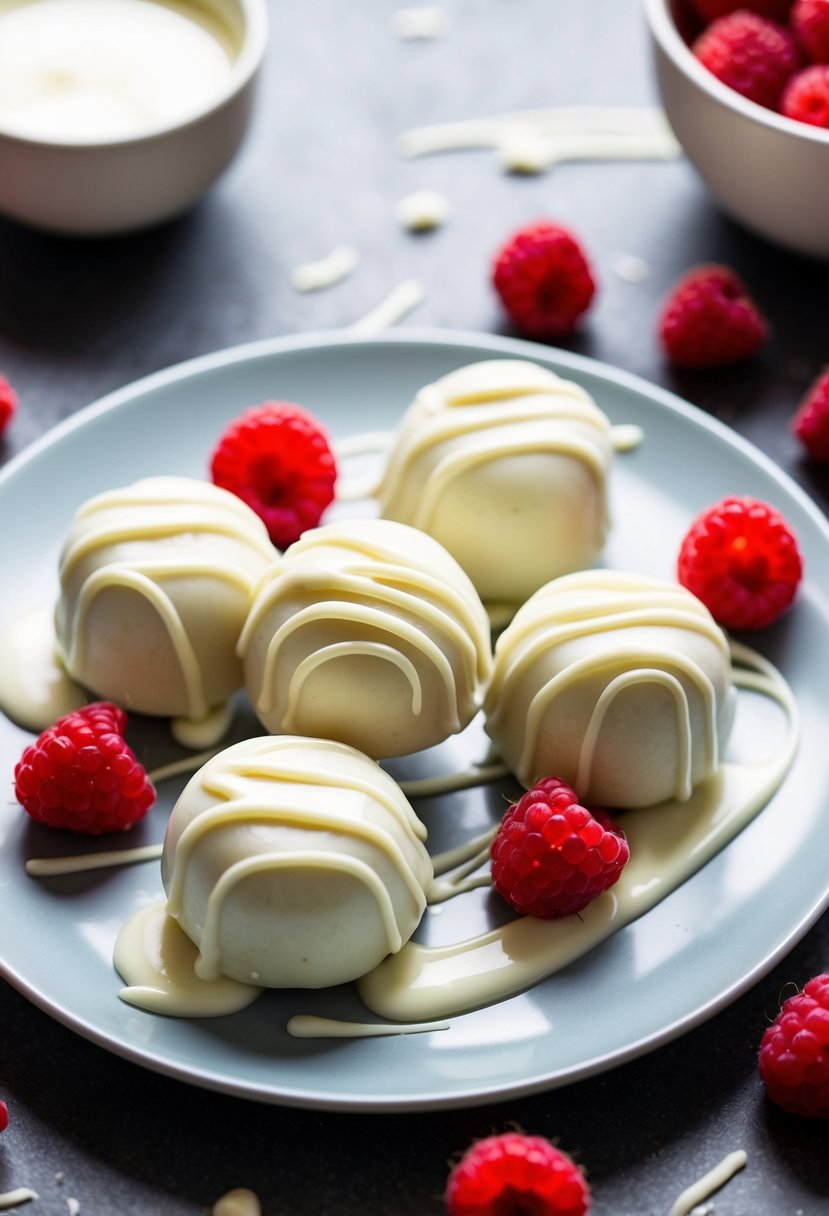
{"x": 406, "y": 296}
{"x": 22, "y": 1194}
{"x": 427, "y": 21}
{"x": 422, "y": 210}
{"x": 710, "y": 1182}
{"x": 239, "y": 1202}
{"x": 313, "y": 276}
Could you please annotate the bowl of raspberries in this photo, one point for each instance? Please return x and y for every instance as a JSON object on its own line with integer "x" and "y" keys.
{"x": 745, "y": 86}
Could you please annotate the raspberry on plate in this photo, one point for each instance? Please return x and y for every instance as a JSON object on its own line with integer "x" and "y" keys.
{"x": 710, "y": 10}
{"x": 811, "y": 421}
{"x": 544, "y": 280}
{"x": 516, "y": 1173}
{"x": 794, "y": 1052}
{"x": 750, "y": 54}
{"x": 80, "y": 774}
{"x": 551, "y": 856}
{"x": 741, "y": 558}
{"x": 806, "y": 97}
{"x": 810, "y": 22}
{"x": 709, "y": 320}
{"x": 277, "y": 458}
{"x": 8, "y": 403}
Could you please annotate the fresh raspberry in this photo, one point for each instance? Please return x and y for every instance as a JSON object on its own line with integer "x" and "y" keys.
{"x": 552, "y": 856}
{"x": 544, "y": 280}
{"x": 750, "y": 54}
{"x": 277, "y": 458}
{"x": 741, "y": 558}
{"x": 8, "y": 403}
{"x": 794, "y": 1052}
{"x": 81, "y": 775}
{"x": 710, "y": 10}
{"x": 811, "y": 422}
{"x": 514, "y": 1173}
{"x": 806, "y": 98}
{"x": 810, "y": 22}
{"x": 4, "y": 1116}
{"x": 709, "y": 320}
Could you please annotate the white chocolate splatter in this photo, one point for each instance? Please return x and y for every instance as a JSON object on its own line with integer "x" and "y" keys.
{"x": 710, "y": 1182}
{"x": 73, "y": 1205}
{"x": 630, "y": 268}
{"x": 422, "y": 210}
{"x": 11, "y": 1199}
{"x": 239, "y": 1202}
{"x": 313, "y": 276}
{"x": 426, "y": 21}
{"x": 406, "y": 296}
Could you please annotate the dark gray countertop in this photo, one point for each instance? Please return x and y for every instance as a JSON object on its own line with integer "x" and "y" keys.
{"x": 80, "y": 318}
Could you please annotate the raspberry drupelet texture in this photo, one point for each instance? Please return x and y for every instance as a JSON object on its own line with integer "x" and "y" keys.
{"x": 750, "y": 54}
{"x": 709, "y": 320}
{"x": 794, "y": 1052}
{"x": 4, "y": 1116}
{"x": 741, "y": 558}
{"x": 80, "y": 774}
{"x": 8, "y": 403}
{"x": 810, "y": 22}
{"x": 544, "y": 280}
{"x": 277, "y": 458}
{"x": 516, "y": 1174}
{"x": 811, "y": 422}
{"x": 710, "y": 10}
{"x": 551, "y": 856}
{"x": 806, "y": 97}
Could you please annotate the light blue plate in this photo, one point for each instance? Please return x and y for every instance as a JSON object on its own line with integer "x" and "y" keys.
{"x": 654, "y": 980}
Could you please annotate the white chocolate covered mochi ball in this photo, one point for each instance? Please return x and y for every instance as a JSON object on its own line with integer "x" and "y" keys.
{"x": 156, "y": 580}
{"x": 368, "y": 632}
{"x": 505, "y": 464}
{"x": 294, "y": 862}
{"x": 618, "y": 684}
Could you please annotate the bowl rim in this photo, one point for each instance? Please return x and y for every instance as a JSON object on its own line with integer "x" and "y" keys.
{"x": 664, "y": 30}
{"x": 244, "y": 68}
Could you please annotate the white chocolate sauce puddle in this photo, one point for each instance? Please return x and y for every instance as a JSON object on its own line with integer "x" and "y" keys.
{"x": 421, "y": 985}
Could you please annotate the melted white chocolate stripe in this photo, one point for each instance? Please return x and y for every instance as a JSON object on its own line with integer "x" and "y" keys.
{"x": 709, "y": 1183}
{"x": 21, "y": 1194}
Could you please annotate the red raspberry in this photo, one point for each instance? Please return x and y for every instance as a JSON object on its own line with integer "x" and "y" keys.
{"x": 709, "y": 320}
{"x": 742, "y": 560}
{"x": 710, "y": 10}
{"x": 794, "y": 1052}
{"x": 810, "y": 22}
{"x": 4, "y": 1116}
{"x": 81, "y": 775}
{"x": 514, "y": 1173}
{"x": 750, "y": 54}
{"x": 552, "y": 856}
{"x": 806, "y": 98}
{"x": 811, "y": 422}
{"x": 8, "y": 403}
{"x": 543, "y": 279}
{"x": 277, "y": 458}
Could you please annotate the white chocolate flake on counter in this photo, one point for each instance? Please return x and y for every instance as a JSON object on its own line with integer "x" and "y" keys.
{"x": 12, "y": 1199}
{"x": 73, "y": 1206}
{"x": 630, "y": 268}
{"x": 397, "y": 304}
{"x": 239, "y": 1202}
{"x": 532, "y": 133}
{"x": 422, "y": 210}
{"x": 425, "y": 21}
{"x": 709, "y": 1183}
{"x": 327, "y": 271}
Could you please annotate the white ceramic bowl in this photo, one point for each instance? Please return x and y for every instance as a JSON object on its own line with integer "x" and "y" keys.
{"x": 91, "y": 187}
{"x": 767, "y": 171}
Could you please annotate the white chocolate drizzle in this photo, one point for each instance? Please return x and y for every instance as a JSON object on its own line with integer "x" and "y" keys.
{"x": 51, "y": 867}
{"x": 711, "y": 1182}
{"x": 422, "y": 210}
{"x": 619, "y": 126}
{"x": 12, "y": 1199}
{"x": 397, "y": 304}
{"x": 238, "y": 1202}
{"x": 309, "y": 1026}
{"x": 326, "y": 272}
